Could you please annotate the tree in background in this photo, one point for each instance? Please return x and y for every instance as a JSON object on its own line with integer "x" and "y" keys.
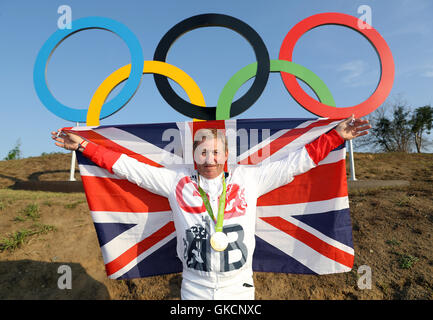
{"x": 397, "y": 128}
{"x": 421, "y": 122}
{"x": 15, "y": 153}
{"x": 391, "y": 133}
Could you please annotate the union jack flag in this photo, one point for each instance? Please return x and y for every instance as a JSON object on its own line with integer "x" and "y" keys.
{"x": 302, "y": 227}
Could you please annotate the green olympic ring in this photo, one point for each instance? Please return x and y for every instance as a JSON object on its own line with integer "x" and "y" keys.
{"x": 236, "y": 81}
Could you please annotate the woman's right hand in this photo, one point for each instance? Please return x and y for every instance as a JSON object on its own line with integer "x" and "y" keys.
{"x": 66, "y": 140}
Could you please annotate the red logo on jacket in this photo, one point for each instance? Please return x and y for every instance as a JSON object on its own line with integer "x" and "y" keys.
{"x": 235, "y": 202}
{"x": 190, "y": 201}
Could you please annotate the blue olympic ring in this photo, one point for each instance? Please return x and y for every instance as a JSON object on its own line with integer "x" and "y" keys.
{"x": 131, "y": 85}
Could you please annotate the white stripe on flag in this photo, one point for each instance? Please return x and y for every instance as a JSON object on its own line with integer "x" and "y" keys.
{"x": 87, "y": 170}
{"x": 302, "y": 140}
{"x": 87, "y": 128}
{"x": 140, "y": 146}
{"x": 313, "y": 207}
{"x": 125, "y": 217}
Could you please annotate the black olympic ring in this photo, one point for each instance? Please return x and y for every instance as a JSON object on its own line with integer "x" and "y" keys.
{"x": 213, "y": 20}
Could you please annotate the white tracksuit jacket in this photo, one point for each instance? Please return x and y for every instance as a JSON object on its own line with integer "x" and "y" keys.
{"x": 204, "y": 267}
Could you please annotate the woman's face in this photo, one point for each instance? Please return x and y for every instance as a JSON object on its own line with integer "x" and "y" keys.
{"x": 210, "y": 157}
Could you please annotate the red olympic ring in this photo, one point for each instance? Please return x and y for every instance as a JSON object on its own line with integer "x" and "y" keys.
{"x": 384, "y": 53}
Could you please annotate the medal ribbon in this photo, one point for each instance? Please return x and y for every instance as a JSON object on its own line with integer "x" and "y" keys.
{"x": 221, "y": 206}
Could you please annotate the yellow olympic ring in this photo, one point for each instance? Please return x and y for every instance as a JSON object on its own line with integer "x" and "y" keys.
{"x": 179, "y": 76}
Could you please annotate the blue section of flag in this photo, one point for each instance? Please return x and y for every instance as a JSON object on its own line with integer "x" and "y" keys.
{"x": 153, "y": 133}
{"x": 268, "y": 258}
{"x": 108, "y": 231}
{"x": 334, "y": 224}
{"x": 82, "y": 160}
{"x": 163, "y": 260}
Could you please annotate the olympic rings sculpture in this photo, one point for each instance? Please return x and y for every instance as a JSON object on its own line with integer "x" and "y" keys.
{"x": 226, "y": 107}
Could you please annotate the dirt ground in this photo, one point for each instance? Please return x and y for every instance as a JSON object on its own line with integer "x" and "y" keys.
{"x": 392, "y": 235}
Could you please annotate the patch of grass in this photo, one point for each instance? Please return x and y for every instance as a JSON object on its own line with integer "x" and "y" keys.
{"x": 392, "y": 242}
{"x": 18, "y": 238}
{"x": 14, "y": 240}
{"x": 31, "y": 211}
{"x": 404, "y": 201}
{"x": 43, "y": 228}
{"x": 376, "y": 191}
{"x": 44, "y": 154}
{"x": 47, "y": 203}
{"x": 73, "y": 205}
{"x": 406, "y": 261}
{"x": 18, "y": 195}
{"x": 19, "y": 219}
{"x": 2, "y": 206}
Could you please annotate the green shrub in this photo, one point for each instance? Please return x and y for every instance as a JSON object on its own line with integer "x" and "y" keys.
{"x": 15, "y": 153}
{"x": 407, "y": 261}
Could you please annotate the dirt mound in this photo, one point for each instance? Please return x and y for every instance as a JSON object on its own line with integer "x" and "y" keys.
{"x": 42, "y": 231}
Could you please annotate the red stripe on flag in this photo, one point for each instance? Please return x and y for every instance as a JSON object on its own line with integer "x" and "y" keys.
{"x": 102, "y": 141}
{"x": 324, "y": 182}
{"x": 133, "y": 252}
{"x": 281, "y": 142}
{"x": 311, "y": 240}
{"x": 106, "y": 194}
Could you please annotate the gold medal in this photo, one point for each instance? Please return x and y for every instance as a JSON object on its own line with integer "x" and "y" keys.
{"x": 219, "y": 241}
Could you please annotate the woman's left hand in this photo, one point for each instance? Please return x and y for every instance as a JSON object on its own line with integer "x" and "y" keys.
{"x": 352, "y": 128}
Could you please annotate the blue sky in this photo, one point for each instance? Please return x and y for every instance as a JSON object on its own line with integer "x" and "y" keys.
{"x": 341, "y": 57}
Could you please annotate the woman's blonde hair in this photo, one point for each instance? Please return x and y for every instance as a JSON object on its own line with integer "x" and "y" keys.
{"x": 202, "y": 134}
